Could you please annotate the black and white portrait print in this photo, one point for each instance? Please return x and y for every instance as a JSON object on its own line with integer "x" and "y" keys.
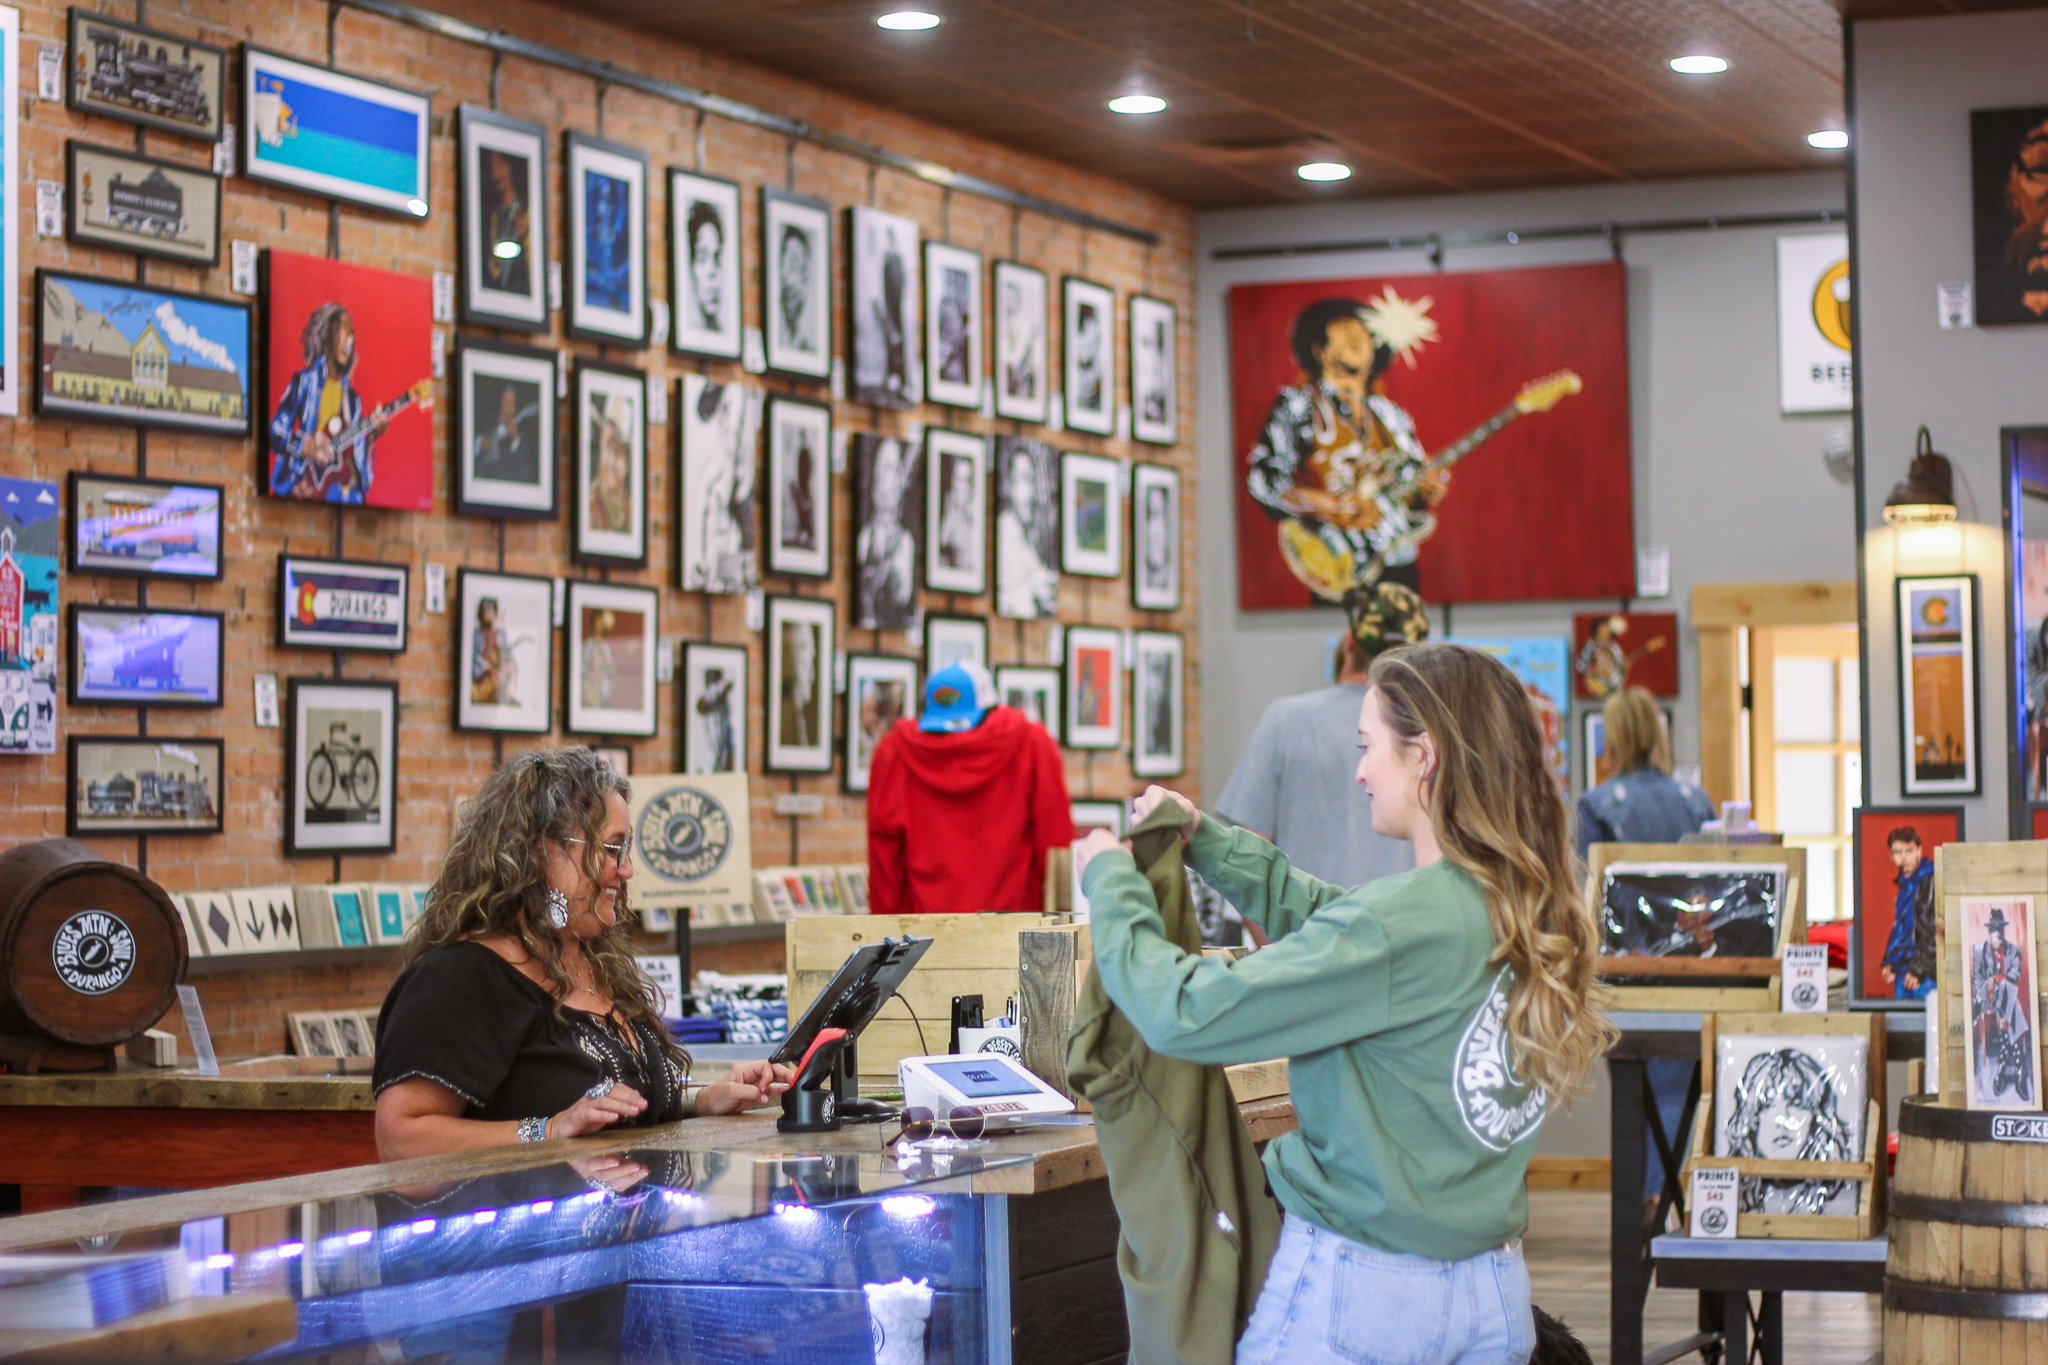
{"x": 1792, "y": 1099}
{"x": 953, "y": 324}
{"x": 886, "y": 545}
{"x": 1153, "y": 399}
{"x": 505, "y": 430}
{"x": 721, "y": 425}
{"x": 714, "y": 708}
{"x": 704, "y": 265}
{"x": 1022, "y": 383}
{"x": 886, "y": 316}
{"x": 956, "y": 512}
{"x": 799, "y": 488}
{"x": 796, "y": 283}
{"x": 1155, "y": 510}
{"x": 1090, "y": 360}
{"x": 1027, "y": 528}
{"x": 1158, "y": 728}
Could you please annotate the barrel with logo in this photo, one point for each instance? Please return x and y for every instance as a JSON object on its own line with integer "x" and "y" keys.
{"x": 1966, "y": 1274}
{"x": 91, "y": 952}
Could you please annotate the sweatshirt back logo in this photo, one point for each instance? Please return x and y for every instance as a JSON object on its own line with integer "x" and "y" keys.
{"x": 1498, "y": 1109}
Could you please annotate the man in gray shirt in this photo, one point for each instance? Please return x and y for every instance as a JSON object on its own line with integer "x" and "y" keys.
{"x": 1296, "y": 783}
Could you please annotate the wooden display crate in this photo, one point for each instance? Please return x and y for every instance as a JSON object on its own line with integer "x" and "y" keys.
{"x": 1868, "y": 1220}
{"x": 1675, "y": 993}
{"x": 2015, "y": 869}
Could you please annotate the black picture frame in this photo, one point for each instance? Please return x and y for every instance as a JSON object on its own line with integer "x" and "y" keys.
{"x": 205, "y": 95}
{"x": 595, "y": 380}
{"x": 537, "y": 621}
{"x": 84, "y": 824}
{"x": 2006, "y": 280}
{"x": 480, "y": 131}
{"x": 871, "y": 235}
{"x": 355, "y": 590}
{"x": 782, "y": 211}
{"x": 581, "y": 716}
{"x": 75, "y": 685}
{"x": 698, "y": 657}
{"x": 1859, "y": 999}
{"x": 1079, "y": 300}
{"x": 1147, "y": 646}
{"x": 1022, "y": 355}
{"x": 504, "y": 363}
{"x": 413, "y": 205}
{"x": 1147, "y": 593}
{"x": 342, "y": 761}
{"x": 853, "y": 771}
{"x": 150, "y": 206}
{"x": 587, "y": 320}
{"x": 81, "y": 493}
{"x": 885, "y": 593}
{"x": 946, "y": 568}
{"x": 1142, "y": 311}
{"x": 947, "y": 620}
{"x": 50, "y": 403}
{"x": 693, "y": 187}
{"x": 1913, "y": 784}
{"x": 779, "y": 753}
{"x": 945, "y": 263}
{"x": 788, "y": 558}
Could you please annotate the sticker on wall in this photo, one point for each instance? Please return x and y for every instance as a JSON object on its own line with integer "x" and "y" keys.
{"x": 1813, "y": 323}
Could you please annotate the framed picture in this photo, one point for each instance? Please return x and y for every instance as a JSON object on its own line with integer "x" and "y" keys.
{"x": 1937, "y": 644}
{"x": 341, "y": 782}
{"x": 1027, "y": 482}
{"x": 620, "y": 756}
{"x": 144, "y": 75}
{"x": 704, "y": 264}
{"x": 1892, "y": 960}
{"x": 955, "y": 511}
{"x": 2011, "y": 241}
{"x": 952, "y": 325}
{"x": 796, "y": 283}
{"x": 880, "y": 690}
{"x": 11, "y": 371}
{"x": 1034, "y": 691}
{"x": 887, "y": 491}
{"x": 313, "y": 1034}
{"x": 131, "y": 784}
{"x": 1155, "y": 389}
{"x": 142, "y": 204}
{"x": 1023, "y": 375}
{"x": 342, "y": 604}
{"x": 950, "y": 640}
{"x": 140, "y": 656}
{"x": 720, "y": 434}
{"x": 1158, "y": 720}
{"x": 1694, "y": 910}
{"x": 145, "y": 528}
{"x": 611, "y": 464}
{"x": 1593, "y": 768}
{"x": 141, "y": 356}
{"x": 341, "y": 137}
{"x": 502, "y": 178}
{"x": 2001, "y": 1003}
{"x": 30, "y": 512}
{"x": 714, "y": 699}
{"x": 371, "y": 332}
{"x": 613, "y": 640}
{"x": 1155, "y": 537}
{"x": 1094, "y": 688}
{"x": 607, "y": 266}
{"x": 884, "y": 313}
{"x": 504, "y": 653}
{"x": 799, "y": 694}
{"x": 1792, "y": 1097}
{"x": 1091, "y": 512}
{"x": 1089, "y": 353}
{"x": 799, "y": 488}
{"x": 1094, "y": 815}
{"x": 1616, "y": 649}
{"x": 504, "y": 445}
{"x": 349, "y": 1036}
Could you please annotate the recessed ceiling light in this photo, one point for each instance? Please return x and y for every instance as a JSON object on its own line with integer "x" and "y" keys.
{"x": 1137, "y": 104}
{"x": 908, "y": 21}
{"x": 1699, "y": 64}
{"x": 1828, "y": 139}
{"x": 1324, "y": 170}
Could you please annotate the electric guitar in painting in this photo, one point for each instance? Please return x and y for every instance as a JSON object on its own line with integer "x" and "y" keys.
{"x": 331, "y": 457}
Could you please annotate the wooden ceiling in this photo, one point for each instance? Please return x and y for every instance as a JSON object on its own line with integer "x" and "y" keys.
{"x": 1418, "y": 96}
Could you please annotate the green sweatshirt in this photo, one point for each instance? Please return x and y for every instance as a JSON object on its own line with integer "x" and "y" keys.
{"x": 1414, "y": 1136}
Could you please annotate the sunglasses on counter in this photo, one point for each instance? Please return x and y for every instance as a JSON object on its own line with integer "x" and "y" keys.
{"x": 962, "y": 1121}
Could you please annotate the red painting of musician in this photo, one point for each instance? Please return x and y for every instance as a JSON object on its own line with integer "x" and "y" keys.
{"x": 340, "y": 338}
{"x": 1612, "y": 650}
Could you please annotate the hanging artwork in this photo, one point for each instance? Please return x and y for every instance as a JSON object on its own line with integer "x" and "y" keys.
{"x": 30, "y": 531}
{"x": 1092, "y": 515}
{"x": 144, "y": 75}
{"x": 613, "y": 643}
{"x": 145, "y": 527}
{"x": 504, "y": 653}
{"x": 799, "y": 692}
{"x": 1612, "y": 650}
{"x": 1155, "y": 537}
{"x": 887, "y": 491}
{"x": 611, "y": 464}
{"x": 955, "y": 511}
{"x": 1542, "y": 665}
{"x": 1027, "y": 485}
{"x": 1094, "y": 688}
{"x": 950, "y": 640}
{"x": 1937, "y": 644}
{"x": 341, "y": 779}
{"x": 1353, "y": 399}
{"x": 117, "y": 784}
{"x": 704, "y": 264}
{"x": 796, "y": 283}
{"x": 343, "y": 137}
{"x": 1034, "y": 691}
{"x": 504, "y": 446}
{"x": 1089, "y": 353}
{"x": 1692, "y": 909}
{"x": 342, "y": 604}
{"x": 799, "y": 488}
{"x": 144, "y": 656}
{"x": 142, "y": 204}
{"x": 720, "y": 434}
{"x": 1792, "y": 1099}
{"x": 880, "y": 690}
{"x": 350, "y": 382}
{"x": 2001, "y": 1003}
{"x": 1155, "y": 375}
{"x": 502, "y": 170}
{"x": 2009, "y": 213}
{"x": 115, "y": 351}
{"x": 607, "y": 268}
{"x": 11, "y": 375}
{"x": 1892, "y": 958}
{"x": 1814, "y": 369}
{"x": 1158, "y": 724}
{"x": 952, "y": 336}
{"x": 886, "y": 318}
{"x": 1023, "y": 380}
{"x": 714, "y": 697}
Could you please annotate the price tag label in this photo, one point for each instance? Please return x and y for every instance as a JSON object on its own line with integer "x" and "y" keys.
{"x": 657, "y": 323}
{"x": 1953, "y": 305}
{"x": 50, "y": 72}
{"x": 665, "y": 661}
{"x": 657, "y": 404}
{"x": 440, "y": 353}
{"x": 224, "y": 151}
{"x": 266, "y": 700}
{"x": 444, "y": 296}
{"x": 753, "y": 351}
{"x": 757, "y": 609}
{"x": 1713, "y": 1206}
{"x": 561, "y": 601}
{"x": 1055, "y": 412}
{"x": 555, "y": 284}
{"x": 437, "y": 589}
{"x": 49, "y": 208}
{"x": 1805, "y": 980}
{"x": 242, "y": 267}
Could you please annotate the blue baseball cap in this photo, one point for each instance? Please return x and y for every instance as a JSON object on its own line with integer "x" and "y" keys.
{"x": 955, "y": 698}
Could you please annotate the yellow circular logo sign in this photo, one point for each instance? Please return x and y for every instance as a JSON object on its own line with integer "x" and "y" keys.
{"x": 1831, "y": 303}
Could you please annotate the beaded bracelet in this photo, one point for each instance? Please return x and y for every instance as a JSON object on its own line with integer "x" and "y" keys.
{"x": 533, "y": 1130}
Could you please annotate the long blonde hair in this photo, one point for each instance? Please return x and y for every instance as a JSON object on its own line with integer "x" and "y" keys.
{"x": 1499, "y": 815}
{"x": 1633, "y": 730}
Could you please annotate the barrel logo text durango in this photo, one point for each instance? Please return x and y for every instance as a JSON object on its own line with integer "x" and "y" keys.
{"x": 94, "y": 952}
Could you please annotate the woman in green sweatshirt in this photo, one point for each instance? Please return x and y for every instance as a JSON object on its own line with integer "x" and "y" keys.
{"x": 1428, "y": 1019}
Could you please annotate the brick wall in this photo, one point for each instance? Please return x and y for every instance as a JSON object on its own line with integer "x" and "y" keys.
{"x": 437, "y": 765}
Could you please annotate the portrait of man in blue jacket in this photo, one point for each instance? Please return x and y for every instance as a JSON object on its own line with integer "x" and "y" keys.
{"x": 1908, "y": 966}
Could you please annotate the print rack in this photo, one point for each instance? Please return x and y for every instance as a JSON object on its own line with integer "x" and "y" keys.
{"x": 2016, "y": 869}
{"x": 1871, "y": 1171}
{"x": 1698, "y": 983}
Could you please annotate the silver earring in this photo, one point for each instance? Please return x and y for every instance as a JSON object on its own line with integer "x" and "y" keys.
{"x": 558, "y": 908}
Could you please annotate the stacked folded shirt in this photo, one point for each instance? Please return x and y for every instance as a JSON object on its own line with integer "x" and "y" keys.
{"x": 70, "y": 1292}
{"x": 753, "y": 1009}
{"x": 697, "y": 1029}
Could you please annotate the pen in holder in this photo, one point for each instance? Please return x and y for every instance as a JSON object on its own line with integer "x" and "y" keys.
{"x": 811, "y": 1104}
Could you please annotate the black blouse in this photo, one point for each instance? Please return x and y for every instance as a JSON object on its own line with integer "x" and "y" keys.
{"x": 469, "y": 1021}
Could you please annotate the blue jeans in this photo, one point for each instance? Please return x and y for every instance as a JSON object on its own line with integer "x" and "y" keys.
{"x": 1330, "y": 1301}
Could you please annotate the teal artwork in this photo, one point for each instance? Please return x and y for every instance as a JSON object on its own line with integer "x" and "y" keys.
{"x": 1542, "y": 664}
{"x": 337, "y": 135}
{"x": 390, "y": 915}
{"x": 348, "y": 920}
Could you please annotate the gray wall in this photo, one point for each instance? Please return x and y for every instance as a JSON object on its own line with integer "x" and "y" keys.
{"x": 1915, "y": 83}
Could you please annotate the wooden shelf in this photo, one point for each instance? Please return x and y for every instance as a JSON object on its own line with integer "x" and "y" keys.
{"x": 736, "y": 933}
{"x": 305, "y": 957}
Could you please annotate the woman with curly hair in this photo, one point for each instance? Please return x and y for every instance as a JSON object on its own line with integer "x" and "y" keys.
{"x": 521, "y": 1014}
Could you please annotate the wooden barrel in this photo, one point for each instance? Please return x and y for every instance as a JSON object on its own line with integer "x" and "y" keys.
{"x": 1966, "y": 1274}
{"x": 91, "y": 952}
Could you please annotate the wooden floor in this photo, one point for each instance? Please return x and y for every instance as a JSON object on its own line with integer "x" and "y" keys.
{"x": 1567, "y": 1254}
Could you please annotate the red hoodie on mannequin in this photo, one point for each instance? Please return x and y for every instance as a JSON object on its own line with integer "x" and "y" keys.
{"x": 960, "y": 822}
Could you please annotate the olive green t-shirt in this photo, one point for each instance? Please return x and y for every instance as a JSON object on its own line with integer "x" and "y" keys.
{"x": 1414, "y": 1134}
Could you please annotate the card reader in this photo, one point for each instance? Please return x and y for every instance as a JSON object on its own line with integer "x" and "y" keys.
{"x": 999, "y": 1086}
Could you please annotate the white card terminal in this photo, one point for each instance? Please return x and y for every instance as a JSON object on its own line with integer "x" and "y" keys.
{"x": 1007, "y": 1095}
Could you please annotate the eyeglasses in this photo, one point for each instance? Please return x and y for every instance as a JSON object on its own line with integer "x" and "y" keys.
{"x": 618, "y": 852}
{"x": 962, "y": 1121}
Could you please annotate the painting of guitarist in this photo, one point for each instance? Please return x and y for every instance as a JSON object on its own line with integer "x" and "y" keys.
{"x": 1348, "y": 455}
{"x": 350, "y": 359}
{"x": 1612, "y": 650}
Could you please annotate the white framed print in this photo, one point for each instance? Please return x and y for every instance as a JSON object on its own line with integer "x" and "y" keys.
{"x": 611, "y": 464}
{"x": 502, "y": 174}
{"x": 312, "y": 128}
{"x": 2001, "y": 1003}
{"x": 1027, "y": 486}
{"x": 342, "y": 604}
{"x": 881, "y": 689}
{"x": 1094, "y": 698}
{"x": 613, "y": 640}
{"x": 799, "y": 693}
{"x": 796, "y": 283}
{"x": 955, "y": 511}
{"x": 1158, "y": 725}
{"x": 504, "y": 448}
{"x": 606, "y": 273}
{"x": 950, "y": 640}
{"x": 341, "y": 782}
{"x": 799, "y": 488}
{"x": 1088, "y": 354}
{"x": 704, "y": 265}
{"x": 720, "y": 431}
{"x": 504, "y": 652}
{"x": 714, "y": 701}
{"x": 1091, "y": 515}
{"x": 1034, "y": 691}
{"x": 1155, "y": 537}
{"x": 952, "y": 325}
{"x": 884, "y": 330}
{"x": 1155, "y": 395}
{"x": 1937, "y": 649}
{"x": 1023, "y": 375}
